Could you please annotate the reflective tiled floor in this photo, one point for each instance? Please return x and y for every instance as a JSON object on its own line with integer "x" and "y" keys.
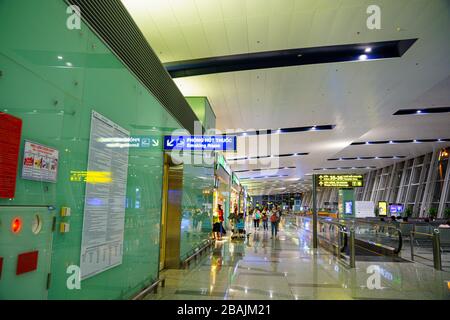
{"x": 288, "y": 268}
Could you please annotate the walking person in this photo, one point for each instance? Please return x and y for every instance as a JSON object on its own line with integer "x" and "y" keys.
{"x": 256, "y": 219}
{"x": 221, "y": 219}
{"x": 216, "y": 226}
{"x": 274, "y": 219}
{"x": 265, "y": 219}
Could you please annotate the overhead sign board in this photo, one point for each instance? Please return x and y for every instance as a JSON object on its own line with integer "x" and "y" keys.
{"x": 340, "y": 180}
{"x": 200, "y": 143}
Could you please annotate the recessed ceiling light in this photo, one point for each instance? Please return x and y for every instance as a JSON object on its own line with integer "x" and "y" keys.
{"x": 69, "y": 64}
{"x": 363, "y": 57}
{"x": 419, "y": 111}
{"x": 60, "y": 57}
{"x": 368, "y": 49}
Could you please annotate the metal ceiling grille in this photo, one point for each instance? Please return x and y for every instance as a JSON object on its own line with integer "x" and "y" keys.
{"x": 110, "y": 20}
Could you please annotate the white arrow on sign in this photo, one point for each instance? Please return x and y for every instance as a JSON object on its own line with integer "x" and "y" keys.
{"x": 155, "y": 142}
{"x": 170, "y": 143}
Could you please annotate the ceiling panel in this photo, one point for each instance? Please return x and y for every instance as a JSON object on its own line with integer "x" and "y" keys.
{"x": 358, "y": 97}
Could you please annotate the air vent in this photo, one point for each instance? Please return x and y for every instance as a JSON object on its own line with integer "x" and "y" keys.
{"x": 110, "y": 20}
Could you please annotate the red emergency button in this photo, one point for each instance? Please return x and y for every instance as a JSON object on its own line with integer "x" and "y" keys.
{"x": 16, "y": 225}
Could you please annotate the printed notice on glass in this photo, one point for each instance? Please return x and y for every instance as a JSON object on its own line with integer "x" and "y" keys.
{"x": 104, "y": 205}
{"x": 40, "y": 162}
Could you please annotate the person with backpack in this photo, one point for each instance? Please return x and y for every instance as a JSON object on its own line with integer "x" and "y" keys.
{"x": 274, "y": 219}
{"x": 256, "y": 219}
{"x": 265, "y": 219}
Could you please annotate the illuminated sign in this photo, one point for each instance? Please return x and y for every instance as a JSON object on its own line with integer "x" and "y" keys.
{"x": 92, "y": 177}
{"x": 207, "y": 143}
{"x": 348, "y": 207}
{"x": 140, "y": 142}
{"x": 382, "y": 208}
{"x": 340, "y": 180}
{"x": 221, "y": 161}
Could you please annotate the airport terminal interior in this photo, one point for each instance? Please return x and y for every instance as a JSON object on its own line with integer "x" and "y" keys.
{"x": 224, "y": 149}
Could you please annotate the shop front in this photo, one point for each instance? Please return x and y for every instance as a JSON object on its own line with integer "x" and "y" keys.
{"x": 236, "y": 197}
{"x": 222, "y": 187}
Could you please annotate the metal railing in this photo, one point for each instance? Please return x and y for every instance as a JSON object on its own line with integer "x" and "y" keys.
{"x": 196, "y": 252}
{"x": 378, "y": 233}
{"x": 153, "y": 287}
{"x": 435, "y": 244}
{"x": 334, "y": 234}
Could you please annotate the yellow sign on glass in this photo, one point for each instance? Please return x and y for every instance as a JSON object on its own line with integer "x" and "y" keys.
{"x": 92, "y": 177}
{"x": 340, "y": 180}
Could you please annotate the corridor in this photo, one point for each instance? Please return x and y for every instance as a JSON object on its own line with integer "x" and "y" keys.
{"x": 288, "y": 268}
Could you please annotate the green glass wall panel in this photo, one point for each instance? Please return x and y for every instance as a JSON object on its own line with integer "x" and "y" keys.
{"x": 55, "y": 101}
{"x": 203, "y": 111}
{"x": 197, "y": 201}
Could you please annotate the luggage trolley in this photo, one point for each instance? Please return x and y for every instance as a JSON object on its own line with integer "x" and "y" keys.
{"x": 239, "y": 228}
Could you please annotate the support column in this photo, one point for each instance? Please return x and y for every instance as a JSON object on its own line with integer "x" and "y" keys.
{"x": 444, "y": 191}
{"x": 416, "y": 207}
{"x": 390, "y": 186}
{"x": 410, "y": 181}
{"x": 429, "y": 186}
{"x": 314, "y": 196}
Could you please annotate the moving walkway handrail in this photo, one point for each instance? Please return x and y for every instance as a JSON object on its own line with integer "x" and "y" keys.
{"x": 341, "y": 230}
{"x": 387, "y": 225}
{"x": 348, "y": 233}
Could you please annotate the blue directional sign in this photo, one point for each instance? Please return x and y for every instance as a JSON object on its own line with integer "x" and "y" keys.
{"x": 207, "y": 143}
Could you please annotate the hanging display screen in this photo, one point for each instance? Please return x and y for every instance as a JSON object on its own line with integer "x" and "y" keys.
{"x": 382, "y": 208}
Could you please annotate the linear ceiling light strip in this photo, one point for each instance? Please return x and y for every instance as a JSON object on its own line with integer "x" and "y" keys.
{"x": 423, "y": 111}
{"x": 281, "y": 130}
{"x": 367, "y": 158}
{"x": 399, "y": 141}
{"x": 271, "y": 156}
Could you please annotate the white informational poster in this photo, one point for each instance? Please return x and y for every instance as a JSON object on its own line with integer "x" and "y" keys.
{"x": 364, "y": 209}
{"x": 104, "y": 205}
{"x": 40, "y": 162}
